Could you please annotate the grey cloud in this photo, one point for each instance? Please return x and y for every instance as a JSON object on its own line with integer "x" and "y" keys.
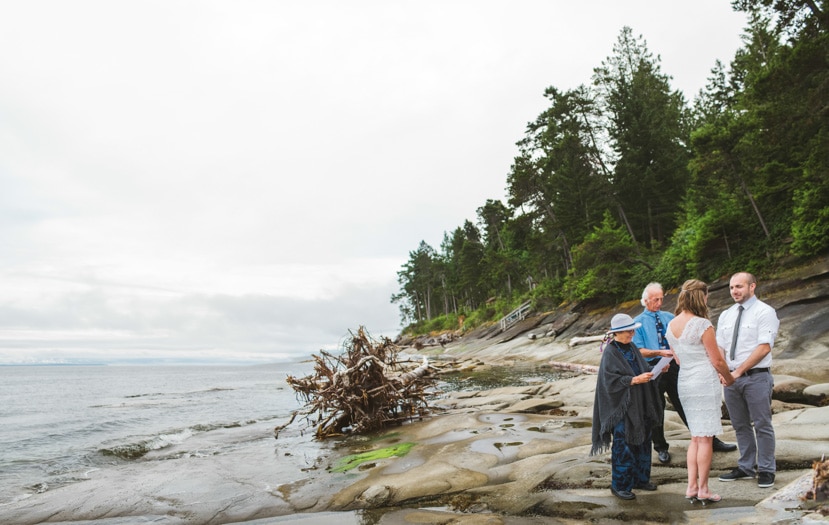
{"x": 103, "y": 322}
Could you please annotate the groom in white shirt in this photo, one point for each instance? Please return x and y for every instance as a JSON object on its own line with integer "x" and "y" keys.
{"x": 745, "y": 334}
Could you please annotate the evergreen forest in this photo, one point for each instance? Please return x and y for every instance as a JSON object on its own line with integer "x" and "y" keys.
{"x": 622, "y": 181}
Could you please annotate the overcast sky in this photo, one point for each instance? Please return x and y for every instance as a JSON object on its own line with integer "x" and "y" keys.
{"x": 243, "y": 179}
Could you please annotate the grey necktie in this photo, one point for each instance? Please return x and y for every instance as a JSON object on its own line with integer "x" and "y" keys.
{"x": 736, "y": 332}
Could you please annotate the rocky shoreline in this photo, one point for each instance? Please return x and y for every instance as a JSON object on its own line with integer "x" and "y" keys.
{"x": 515, "y": 454}
{"x": 511, "y": 455}
{"x": 519, "y": 453}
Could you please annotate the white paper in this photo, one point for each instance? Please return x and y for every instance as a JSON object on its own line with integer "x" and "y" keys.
{"x": 660, "y": 367}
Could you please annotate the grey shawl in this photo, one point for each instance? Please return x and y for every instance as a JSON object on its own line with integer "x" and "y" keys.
{"x": 616, "y": 400}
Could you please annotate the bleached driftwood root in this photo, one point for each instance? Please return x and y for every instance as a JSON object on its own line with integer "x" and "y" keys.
{"x": 588, "y": 369}
{"x": 364, "y": 388}
{"x": 818, "y": 497}
{"x": 582, "y": 340}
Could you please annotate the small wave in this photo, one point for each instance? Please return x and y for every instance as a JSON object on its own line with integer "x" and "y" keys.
{"x": 190, "y": 393}
{"x": 152, "y": 394}
{"x": 216, "y": 426}
{"x": 141, "y": 448}
{"x": 141, "y": 405}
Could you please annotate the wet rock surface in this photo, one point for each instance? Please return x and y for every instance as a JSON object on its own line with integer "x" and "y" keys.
{"x": 537, "y": 464}
{"x": 495, "y": 454}
{"x": 528, "y": 465}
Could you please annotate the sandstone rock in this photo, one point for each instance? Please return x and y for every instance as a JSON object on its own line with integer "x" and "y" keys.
{"x": 376, "y": 496}
{"x": 816, "y": 394}
{"x": 535, "y": 405}
{"x": 789, "y": 388}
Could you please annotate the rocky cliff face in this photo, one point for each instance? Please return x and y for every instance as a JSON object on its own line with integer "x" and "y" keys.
{"x": 800, "y": 296}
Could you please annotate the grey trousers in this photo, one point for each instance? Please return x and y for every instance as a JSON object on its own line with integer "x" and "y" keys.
{"x": 749, "y": 406}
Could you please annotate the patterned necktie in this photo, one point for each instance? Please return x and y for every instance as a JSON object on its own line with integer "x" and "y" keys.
{"x": 736, "y": 332}
{"x": 660, "y": 332}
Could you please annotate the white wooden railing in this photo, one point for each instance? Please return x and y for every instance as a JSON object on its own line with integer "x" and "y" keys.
{"x": 514, "y": 316}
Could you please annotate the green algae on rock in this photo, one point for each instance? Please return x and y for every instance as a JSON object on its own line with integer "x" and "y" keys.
{"x": 347, "y": 463}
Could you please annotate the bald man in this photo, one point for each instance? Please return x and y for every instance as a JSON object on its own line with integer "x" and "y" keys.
{"x": 746, "y": 334}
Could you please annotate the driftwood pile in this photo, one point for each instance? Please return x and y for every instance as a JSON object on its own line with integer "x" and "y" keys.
{"x": 818, "y": 497}
{"x": 365, "y": 388}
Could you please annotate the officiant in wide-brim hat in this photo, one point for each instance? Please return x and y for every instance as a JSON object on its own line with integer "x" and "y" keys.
{"x": 625, "y": 410}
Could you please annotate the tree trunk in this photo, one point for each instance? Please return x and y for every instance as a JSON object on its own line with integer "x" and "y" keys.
{"x": 630, "y": 230}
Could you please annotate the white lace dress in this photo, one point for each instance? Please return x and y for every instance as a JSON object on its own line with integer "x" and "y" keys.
{"x": 698, "y": 385}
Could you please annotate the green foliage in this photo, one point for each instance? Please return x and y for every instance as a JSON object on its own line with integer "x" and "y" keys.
{"x": 792, "y": 17}
{"x": 488, "y": 313}
{"x": 440, "y": 323}
{"x": 504, "y": 305}
{"x": 647, "y": 127}
{"x": 478, "y": 317}
{"x": 622, "y": 183}
{"x": 548, "y": 294}
{"x": 810, "y": 227}
{"x": 602, "y": 264}
{"x": 491, "y": 312}
{"x": 699, "y": 246}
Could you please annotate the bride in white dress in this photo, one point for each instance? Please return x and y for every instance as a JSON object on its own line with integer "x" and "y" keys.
{"x": 702, "y": 373}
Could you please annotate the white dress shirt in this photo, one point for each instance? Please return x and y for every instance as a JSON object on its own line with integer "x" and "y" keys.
{"x": 758, "y": 325}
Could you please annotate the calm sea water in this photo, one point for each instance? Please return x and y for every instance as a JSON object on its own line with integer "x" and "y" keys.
{"x": 63, "y": 425}
{"x": 57, "y": 423}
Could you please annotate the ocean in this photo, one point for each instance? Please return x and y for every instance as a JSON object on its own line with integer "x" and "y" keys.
{"x": 118, "y": 445}
{"x": 60, "y": 423}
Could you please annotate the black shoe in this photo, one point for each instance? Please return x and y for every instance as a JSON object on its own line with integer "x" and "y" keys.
{"x": 765, "y": 480}
{"x": 645, "y": 486}
{"x": 623, "y": 494}
{"x": 664, "y": 456}
{"x": 736, "y": 474}
{"x": 719, "y": 446}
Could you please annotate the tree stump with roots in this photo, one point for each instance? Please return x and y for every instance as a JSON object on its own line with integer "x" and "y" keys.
{"x": 363, "y": 389}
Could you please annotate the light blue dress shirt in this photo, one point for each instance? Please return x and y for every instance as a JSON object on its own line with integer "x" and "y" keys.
{"x": 646, "y": 335}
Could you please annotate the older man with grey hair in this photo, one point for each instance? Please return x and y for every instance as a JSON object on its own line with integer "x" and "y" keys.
{"x": 652, "y": 342}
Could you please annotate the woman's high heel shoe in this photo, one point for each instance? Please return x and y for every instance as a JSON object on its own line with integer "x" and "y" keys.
{"x": 712, "y": 498}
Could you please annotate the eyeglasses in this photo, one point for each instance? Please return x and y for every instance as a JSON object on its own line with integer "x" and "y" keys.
{"x": 610, "y": 336}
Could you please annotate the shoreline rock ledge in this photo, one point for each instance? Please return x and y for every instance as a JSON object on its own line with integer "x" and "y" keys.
{"x": 515, "y": 455}
{"x": 520, "y": 455}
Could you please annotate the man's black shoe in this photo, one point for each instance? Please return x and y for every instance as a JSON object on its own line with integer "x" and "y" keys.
{"x": 645, "y": 486}
{"x": 765, "y": 480}
{"x": 719, "y": 446}
{"x": 735, "y": 475}
{"x": 622, "y": 494}
{"x": 664, "y": 456}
